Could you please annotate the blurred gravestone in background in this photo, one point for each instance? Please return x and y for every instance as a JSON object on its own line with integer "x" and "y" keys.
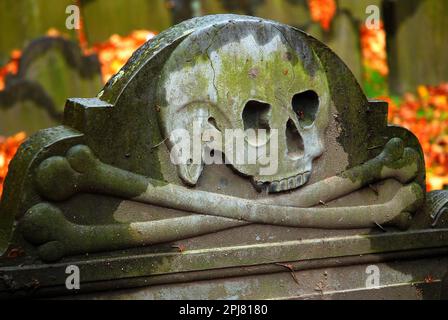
{"x": 50, "y": 70}
{"x": 22, "y": 21}
{"x": 417, "y": 39}
{"x": 103, "y": 18}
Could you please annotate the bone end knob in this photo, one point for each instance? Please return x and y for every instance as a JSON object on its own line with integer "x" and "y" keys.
{"x": 56, "y": 169}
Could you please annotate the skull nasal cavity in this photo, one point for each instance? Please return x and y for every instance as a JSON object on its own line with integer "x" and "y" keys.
{"x": 256, "y": 115}
{"x": 305, "y": 106}
{"x": 294, "y": 141}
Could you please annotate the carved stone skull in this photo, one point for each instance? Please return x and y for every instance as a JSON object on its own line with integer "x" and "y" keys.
{"x": 250, "y": 75}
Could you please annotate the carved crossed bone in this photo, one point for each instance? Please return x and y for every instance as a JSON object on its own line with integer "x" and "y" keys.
{"x": 395, "y": 161}
{"x": 46, "y": 226}
{"x": 83, "y": 172}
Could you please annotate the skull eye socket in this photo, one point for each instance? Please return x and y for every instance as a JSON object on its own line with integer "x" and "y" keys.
{"x": 256, "y": 117}
{"x": 213, "y": 122}
{"x": 305, "y": 106}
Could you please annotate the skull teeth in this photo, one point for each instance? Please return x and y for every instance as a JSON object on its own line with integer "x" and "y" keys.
{"x": 289, "y": 183}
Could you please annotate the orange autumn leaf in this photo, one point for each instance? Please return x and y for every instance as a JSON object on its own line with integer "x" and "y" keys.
{"x": 11, "y": 68}
{"x": 322, "y": 12}
{"x": 426, "y": 115}
{"x": 115, "y": 52}
{"x": 429, "y": 279}
{"x": 373, "y": 49}
{"x": 8, "y": 148}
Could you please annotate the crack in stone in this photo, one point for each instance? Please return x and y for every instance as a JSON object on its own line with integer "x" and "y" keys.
{"x": 217, "y": 31}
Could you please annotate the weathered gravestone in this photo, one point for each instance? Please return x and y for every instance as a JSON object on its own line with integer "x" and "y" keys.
{"x": 23, "y": 21}
{"x": 102, "y": 191}
{"x": 417, "y": 30}
{"x": 151, "y": 15}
